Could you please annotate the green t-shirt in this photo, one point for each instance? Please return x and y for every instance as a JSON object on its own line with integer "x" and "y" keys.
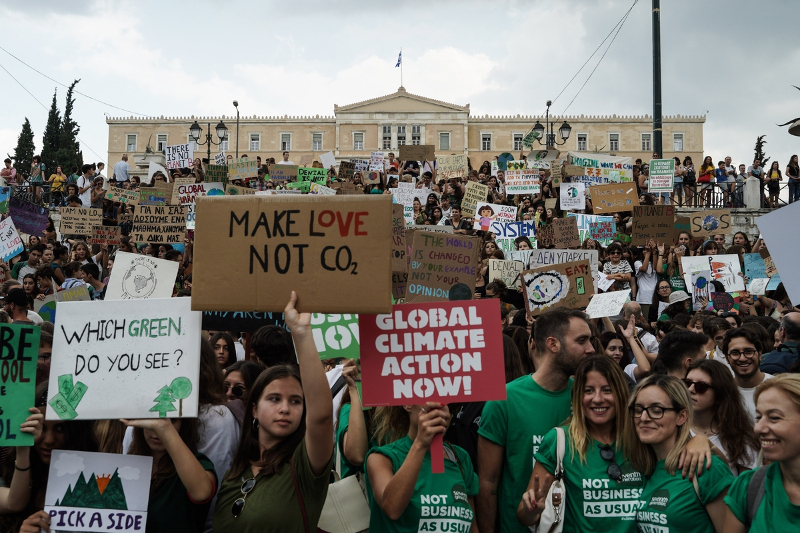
{"x": 439, "y": 502}
{"x": 776, "y": 512}
{"x": 171, "y": 510}
{"x": 676, "y": 281}
{"x": 595, "y": 502}
{"x": 272, "y": 505}
{"x": 348, "y": 468}
{"x": 519, "y": 424}
{"x": 671, "y": 505}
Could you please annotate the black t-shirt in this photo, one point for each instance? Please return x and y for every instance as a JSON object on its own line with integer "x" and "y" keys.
{"x": 412, "y": 165}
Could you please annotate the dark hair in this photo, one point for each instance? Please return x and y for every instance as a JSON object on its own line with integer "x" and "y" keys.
{"x": 606, "y": 337}
{"x": 714, "y": 325}
{"x": 74, "y": 198}
{"x": 745, "y": 332}
{"x": 249, "y": 452}
{"x": 554, "y": 322}
{"x": 736, "y": 317}
{"x": 71, "y": 268}
{"x": 171, "y": 255}
{"x": 513, "y": 359}
{"x": 250, "y": 370}
{"x": 86, "y": 168}
{"x": 165, "y": 468}
{"x": 791, "y": 327}
{"x": 273, "y": 346}
{"x": 91, "y": 269}
{"x": 60, "y": 251}
{"x": 520, "y": 336}
{"x": 675, "y": 347}
{"x": 212, "y": 390}
{"x": 231, "y": 348}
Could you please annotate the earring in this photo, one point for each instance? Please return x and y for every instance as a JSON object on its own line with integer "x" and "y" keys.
{"x": 255, "y": 423}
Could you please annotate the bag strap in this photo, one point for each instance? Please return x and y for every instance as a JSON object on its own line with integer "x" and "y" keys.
{"x": 560, "y": 446}
{"x": 299, "y": 497}
{"x": 755, "y": 493}
{"x": 456, "y": 459}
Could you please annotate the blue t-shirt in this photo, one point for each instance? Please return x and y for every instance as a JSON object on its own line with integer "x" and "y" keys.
{"x": 721, "y": 175}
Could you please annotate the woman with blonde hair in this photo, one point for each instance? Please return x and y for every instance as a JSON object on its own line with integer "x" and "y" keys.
{"x": 662, "y": 419}
{"x": 777, "y": 411}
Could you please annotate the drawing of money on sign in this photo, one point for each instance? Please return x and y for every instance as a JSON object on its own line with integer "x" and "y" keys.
{"x": 68, "y": 397}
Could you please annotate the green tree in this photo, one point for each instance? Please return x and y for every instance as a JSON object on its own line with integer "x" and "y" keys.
{"x": 164, "y": 402}
{"x": 760, "y": 155}
{"x": 50, "y": 138}
{"x": 23, "y": 153}
{"x": 180, "y": 388}
{"x": 69, "y": 150}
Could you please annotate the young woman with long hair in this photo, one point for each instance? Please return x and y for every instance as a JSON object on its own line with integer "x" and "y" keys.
{"x": 706, "y": 177}
{"x": 793, "y": 177}
{"x": 279, "y": 477}
{"x": 662, "y": 419}
{"x": 660, "y": 301}
{"x": 225, "y": 349}
{"x": 719, "y": 413}
{"x": 740, "y": 238}
{"x": 772, "y": 178}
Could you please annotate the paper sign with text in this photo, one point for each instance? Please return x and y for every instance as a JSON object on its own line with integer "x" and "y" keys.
{"x": 656, "y": 222}
{"x": 597, "y": 227}
{"x": 440, "y": 352}
{"x": 334, "y": 251}
{"x": 19, "y": 353}
{"x": 474, "y": 194}
{"x": 10, "y": 242}
{"x": 573, "y": 196}
{"x": 714, "y": 222}
{"x": 614, "y": 197}
{"x": 438, "y": 262}
{"x": 452, "y": 166}
{"x": 220, "y": 159}
{"x": 179, "y": 156}
{"x": 109, "y": 235}
{"x": 607, "y": 304}
{"x": 80, "y": 220}
{"x": 487, "y": 213}
{"x": 145, "y": 365}
{"x": 335, "y": 335}
{"x": 561, "y": 285}
{"x": 124, "y": 196}
{"x": 522, "y": 181}
{"x": 724, "y": 268}
{"x": 243, "y": 168}
{"x": 507, "y": 271}
{"x": 162, "y": 224}
{"x": 139, "y": 277}
{"x": 662, "y": 175}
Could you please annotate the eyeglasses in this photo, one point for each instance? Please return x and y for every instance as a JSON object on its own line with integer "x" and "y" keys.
{"x": 654, "y": 412}
{"x": 615, "y": 253}
{"x": 748, "y": 353}
{"x": 700, "y": 387}
{"x": 664, "y": 288}
{"x": 237, "y": 390}
{"x": 607, "y": 453}
{"x": 238, "y": 505}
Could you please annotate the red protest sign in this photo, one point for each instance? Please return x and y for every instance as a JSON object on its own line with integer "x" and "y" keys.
{"x": 433, "y": 352}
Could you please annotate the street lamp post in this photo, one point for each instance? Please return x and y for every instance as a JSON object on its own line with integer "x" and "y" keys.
{"x": 236, "y": 105}
{"x": 550, "y": 140}
{"x": 196, "y": 132}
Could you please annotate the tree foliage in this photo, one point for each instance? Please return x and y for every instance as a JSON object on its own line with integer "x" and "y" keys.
{"x": 69, "y": 151}
{"x": 23, "y": 153}
{"x": 759, "y": 149}
{"x": 51, "y": 138}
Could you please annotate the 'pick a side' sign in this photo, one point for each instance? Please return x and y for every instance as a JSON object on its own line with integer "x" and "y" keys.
{"x": 436, "y": 352}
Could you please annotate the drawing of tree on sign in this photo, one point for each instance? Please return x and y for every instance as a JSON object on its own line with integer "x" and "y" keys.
{"x": 179, "y": 389}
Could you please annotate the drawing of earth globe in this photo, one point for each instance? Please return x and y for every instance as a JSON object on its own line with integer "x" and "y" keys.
{"x": 215, "y": 192}
{"x": 710, "y": 223}
{"x": 139, "y": 281}
{"x": 573, "y": 192}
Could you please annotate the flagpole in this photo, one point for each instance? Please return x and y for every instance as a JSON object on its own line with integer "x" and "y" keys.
{"x": 401, "y": 66}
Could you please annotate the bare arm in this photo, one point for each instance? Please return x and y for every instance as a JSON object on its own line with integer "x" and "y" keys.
{"x": 732, "y": 524}
{"x": 355, "y": 442}
{"x": 319, "y": 404}
{"x": 530, "y": 507}
{"x": 15, "y": 498}
{"x": 490, "y": 465}
{"x": 642, "y": 360}
{"x": 717, "y": 511}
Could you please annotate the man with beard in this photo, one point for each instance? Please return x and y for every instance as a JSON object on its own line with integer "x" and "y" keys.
{"x": 510, "y": 433}
{"x": 743, "y": 349}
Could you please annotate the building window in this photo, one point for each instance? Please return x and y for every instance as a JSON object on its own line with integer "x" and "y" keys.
{"x": 286, "y": 142}
{"x": 401, "y": 135}
{"x": 161, "y": 142}
{"x": 486, "y": 141}
{"x": 131, "y": 142}
{"x": 613, "y": 142}
{"x": 255, "y": 142}
{"x": 225, "y": 143}
{"x": 677, "y": 142}
{"x": 647, "y": 145}
{"x": 316, "y": 142}
{"x": 517, "y": 141}
{"x": 583, "y": 142}
{"x": 444, "y": 140}
{"x": 192, "y": 143}
{"x": 387, "y": 137}
{"x": 416, "y": 135}
{"x": 358, "y": 140}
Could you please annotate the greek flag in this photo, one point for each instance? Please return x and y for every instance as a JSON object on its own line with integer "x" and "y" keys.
{"x": 399, "y": 59}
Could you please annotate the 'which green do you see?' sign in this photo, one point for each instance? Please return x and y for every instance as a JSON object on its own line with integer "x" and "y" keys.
{"x": 18, "y": 355}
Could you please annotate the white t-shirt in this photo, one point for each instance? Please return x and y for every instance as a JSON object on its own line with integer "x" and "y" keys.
{"x": 646, "y": 282}
{"x": 86, "y": 196}
{"x": 120, "y": 172}
{"x": 284, "y": 163}
{"x": 751, "y": 456}
{"x": 747, "y": 396}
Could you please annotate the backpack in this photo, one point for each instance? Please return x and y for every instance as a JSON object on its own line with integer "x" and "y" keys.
{"x": 463, "y": 430}
{"x": 755, "y": 493}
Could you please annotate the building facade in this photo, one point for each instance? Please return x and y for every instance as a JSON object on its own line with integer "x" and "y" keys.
{"x": 385, "y": 123}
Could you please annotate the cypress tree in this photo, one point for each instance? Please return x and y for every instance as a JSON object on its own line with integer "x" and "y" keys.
{"x": 50, "y": 139}
{"x": 23, "y": 153}
{"x": 759, "y": 150}
{"x": 69, "y": 152}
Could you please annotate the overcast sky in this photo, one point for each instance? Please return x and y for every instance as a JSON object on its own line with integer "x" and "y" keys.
{"x": 734, "y": 60}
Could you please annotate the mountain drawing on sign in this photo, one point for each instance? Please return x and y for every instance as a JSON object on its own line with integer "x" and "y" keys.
{"x": 102, "y": 492}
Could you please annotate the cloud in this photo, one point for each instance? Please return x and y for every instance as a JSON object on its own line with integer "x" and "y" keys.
{"x": 68, "y": 463}
{"x": 128, "y": 472}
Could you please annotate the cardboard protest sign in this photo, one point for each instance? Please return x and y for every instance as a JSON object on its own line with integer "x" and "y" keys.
{"x": 399, "y": 282}
{"x": 769, "y": 264}
{"x": 573, "y": 170}
{"x": 98, "y": 492}
{"x": 28, "y": 217}
{"x": 440, "y": 352}
{"x": 327, "y": 159}
{"x": 123, "y": 196}
{"x": 234, "y": 190}
{"x": 10, "y": 242}
{"x": 283, "y": 172}
{"x": 240, "y": 320}
{"x": 607, "y": 304}
{"x": 701, "y": 285}
{"x": 561, "y": 285}
{"x": 179, "y": 156}
{"x": 80, "y": 220}
{"x": 399, "y": 250}
{"x": 714, "y": 222}
{"x": 335, "y": 252}
{"x": 614, "y": 197}
{"x": 784, "y": 246}
{"x": 177, "y": 186}
{"x": 217, "y": 173}
{"x": 723, "y": 268}
{"x": 474, "y": 194}
{"x": 546, "y": 236}
{"x": 507, "y": 271}
{"x": 189, "y": 193}
{"x": 162, "y": 224}
{"x": 161, "y": 193}
{"x": 109, "y": 235}
{"x": 140, "y": 277}
{"x": 662, "y": 175}
{"x": 372, "y": 177}
{"x": 318, "y": 175}
{"x": 565, "y": 232}
{"x": 653, "y": 222}
{"x": 597, "y": 227}
{"x": 152, "y": 197}
{"x": 145, "y": 365}
{"x": 77, "y": 293}
{"x": 308, "y": 160}
{"x": 243, "y": 168}
{"x": 316, "y": 188}
{"x": 19, "y": 354}
{"x": 573, "y": 196}
{"x": 439, "y": 262}
{"x": 346, "y": 170}
{"x": 522, "y": 181}
{"x": 420, "y": 152}
{"x": 452, "y": 166}
{"x": 487, "y": 213}
{"x": 336, "y": 335}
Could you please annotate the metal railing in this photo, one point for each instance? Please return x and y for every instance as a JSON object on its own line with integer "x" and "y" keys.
{"x": 723, "y": 195}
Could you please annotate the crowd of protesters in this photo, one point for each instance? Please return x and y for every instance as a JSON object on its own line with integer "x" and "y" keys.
{"x": 672, "y": 416}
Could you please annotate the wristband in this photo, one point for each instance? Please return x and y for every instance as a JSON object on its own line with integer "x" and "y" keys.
{"x": 21, "y": 469}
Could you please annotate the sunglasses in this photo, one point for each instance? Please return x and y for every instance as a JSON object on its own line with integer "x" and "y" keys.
{"x": 238, "y": 505}
{"x": 237, "y": 390}
{"x": 700, "y": 387}
{"x": 607, "y": 453}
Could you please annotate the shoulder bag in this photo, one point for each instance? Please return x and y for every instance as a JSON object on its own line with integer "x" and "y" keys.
{"x": 346, "y": 507}
{"x": 552, "y": 519}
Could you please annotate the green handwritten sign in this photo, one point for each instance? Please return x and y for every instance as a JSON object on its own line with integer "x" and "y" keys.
{"x": 317, "y": 175}
{"x": 18, "y": 356}
{"x": 336, "y": 335}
